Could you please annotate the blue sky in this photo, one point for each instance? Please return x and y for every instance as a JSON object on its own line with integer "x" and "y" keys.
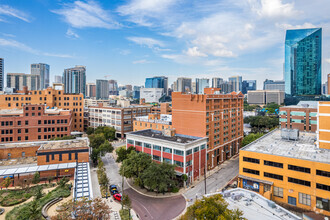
{"x": 134, "y": 39}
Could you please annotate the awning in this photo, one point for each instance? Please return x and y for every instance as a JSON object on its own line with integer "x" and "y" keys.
{"x": 255, "y": 180}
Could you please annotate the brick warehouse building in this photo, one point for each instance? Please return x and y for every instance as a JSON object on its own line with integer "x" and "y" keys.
{"x": 50, "y": 97}
{"x": 154, "y": 121}
{"x": 219, "y": 117}
{"x": 34, "y": 122}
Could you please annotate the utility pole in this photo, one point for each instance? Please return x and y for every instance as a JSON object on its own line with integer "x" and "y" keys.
{"x": 205, "y": 178}
{"x": 122, "y": 188}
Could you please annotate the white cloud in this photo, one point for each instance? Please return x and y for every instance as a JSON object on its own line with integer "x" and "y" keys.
{"x": 290, "y": 26}
{"x": 71, "y": 34}
{"x": 9, "y": 11}
{"x": 141, "y": 61}
{"x": 58, "y": 55}
{"x": 327, "y": 60}
{"x": 81, "y": 14}
{"x": 124, "y": 52}
{"x": 273, "y": 8}
{"x": 194, "y": 52}
{"x": 146, "y": 41}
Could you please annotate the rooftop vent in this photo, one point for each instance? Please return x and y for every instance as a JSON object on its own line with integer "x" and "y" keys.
{"x": 290, "y": 134}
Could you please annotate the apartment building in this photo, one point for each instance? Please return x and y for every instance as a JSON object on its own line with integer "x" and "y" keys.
{"x": 302, "y": 116}
{"x": 188, "y": 153}
{"x": 154, "y": 121}
{"x": 120, "y": 118}
{"x": 34, "y": 122}
{"x": 263, "y": 97}
{"x": 219, "y": 117}
{"x": 52, "y": 99}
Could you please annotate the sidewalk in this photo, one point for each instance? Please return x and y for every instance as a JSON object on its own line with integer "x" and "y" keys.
{"x": 115, "y": 206}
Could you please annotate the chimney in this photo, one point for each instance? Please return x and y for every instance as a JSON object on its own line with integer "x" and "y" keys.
{"x": 25, "y": 90}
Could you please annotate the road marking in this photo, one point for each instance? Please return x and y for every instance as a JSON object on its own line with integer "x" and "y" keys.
{"x": 144, "y": 208}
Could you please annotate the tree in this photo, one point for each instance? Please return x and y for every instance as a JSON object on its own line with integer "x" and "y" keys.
{"x": 83, "y": 209}
{"x": 50, "y": 179}
{"x": 213, "y": 207}
{"x": 34, "y": 211}
{"x": 106, "y": 147}
{"x": 96, "y": 140}
{"x": 6, "y": 182}
{"x": 108, "y": 132}
{"x": 90, "y": 131}
{"x": 36, "y": 178}
{"x": 250, "y": 138}
{"x": 159, "y": 177}
{"x": 63, "y": 181}
{"x": 122, "y": 153}
{"x": 126, "y": 201}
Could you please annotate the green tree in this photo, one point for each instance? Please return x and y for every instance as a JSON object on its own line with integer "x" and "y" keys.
{"x": 39, "y": 194}
{"x": 36, "y": 178}
{"x": 135, "y": 164}
{"x": 126, "y": 201}
{"x": 250, "y": 138}
{"x": 159, "y": 177}
{"x": 34, "y": 211}
{"x": 90, "y": 130}
{"x": 6, "y": 182}
{"x": 106, "y": 147}
{"x": 122, "y": 153}
{"x": 96, "y": 140}
{"x": 108, "y": 132}
{"x": 213, "y": 207}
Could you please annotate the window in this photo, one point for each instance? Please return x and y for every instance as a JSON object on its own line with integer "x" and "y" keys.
{"x": 273, "y": 176}
{"x": 304, "y": 199}
{"x": 26, "y": 138}
{"x": 147, "y": 145}
{"x": 298, "y": 181}
{"x": 155, "y": 157}
{"x": 19, "y": 123}
{"x": 156, "y": 147}
{"x": 292, "y": 200}
{"x": 278, "y": 192}
{"x": 322, "y": 173}
{"x": 39, "y": 122}
{"x": 322, "y": 186}
{"x": 23, "y": 154}
{"x": 130, "y": 141}
{"x": 70, "y": 157}
{"x": 273, "y": 164}
{"x": 267, "y": 188}
{"x": 178, "y": 163}
{"x": 138, "y": 143}
{"x": 299, "y": 169}
{"x": 19, "y": 131}
{"x": 255, "y": 172}
{"x": 47, "y": 158}
{"x": 203, "y": 147}
{"x": 60, "y": 157}
{"x": 178, "y": 152}
{"x": 322, "y": 204}
{"x": 167, "y": 150}
{"x": 26, "y": 130}
{"x": 251, "y": 160}
{"x": 26, "y": 122}
{"x": 188, "y": 163}
{"x": 188, "y": 152}
{"x": 165, "y": 160}
{"x": 196, "y": 149}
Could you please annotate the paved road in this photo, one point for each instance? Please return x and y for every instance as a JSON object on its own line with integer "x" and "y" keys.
{"x": 216, "y": 181}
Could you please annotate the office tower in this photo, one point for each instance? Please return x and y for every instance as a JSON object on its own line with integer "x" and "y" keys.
{"x": 193, "y": 88}
{"x": 42, "y": 70}
{"x": 151, "y": 95}
{"x": 183, "y": 84}
{"x": 248, "y": 85}
{"x": 74, "y": 80}
{"x": 274, "y": 85}
{"x": 19, "y": 80}
{"x": 136, "y": 92}
{"x": 102, "y": 89}
{"x": 328, "y": 84}
{"x": 226, "y": 87}
{"x": 129, "y": 87}
{"x": 90, "y": 90}
{"x": 57, "y": 79}
{"x": 2, "y": 74}
{"x": 157, "y": 82}
{"x": 303, "y": 57}
{"x": 216, "y": 82}
{"x": 236, "y": 82}
{"x": 263, "y": 97}
{"x": 113, "y": 87}
{"x": 201, "y": 84}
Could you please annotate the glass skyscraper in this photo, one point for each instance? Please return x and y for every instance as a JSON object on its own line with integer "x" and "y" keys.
{"x": 42, "y": 70}
{"x": 74, "y": 80}
{"x": 157, "y": 82}
{"x": 248, "y": 85}
{"x": 303, "y": 56}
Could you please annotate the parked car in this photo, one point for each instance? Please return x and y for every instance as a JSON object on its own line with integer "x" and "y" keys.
{"x": 113, "y": 189}
{"x": 117, "y": 196}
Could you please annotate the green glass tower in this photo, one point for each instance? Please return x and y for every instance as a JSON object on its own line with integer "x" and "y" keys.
{"x": 303, "y": 57}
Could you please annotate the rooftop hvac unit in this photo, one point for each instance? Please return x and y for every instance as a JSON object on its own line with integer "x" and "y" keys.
{"x": 290, "y": 134}
{"x": 271, "y": 204}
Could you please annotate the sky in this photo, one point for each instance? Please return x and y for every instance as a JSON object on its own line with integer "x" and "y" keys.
{"x": 130, "y": 40}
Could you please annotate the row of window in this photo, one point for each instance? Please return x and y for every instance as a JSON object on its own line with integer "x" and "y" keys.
{"x": 60, "y": 156}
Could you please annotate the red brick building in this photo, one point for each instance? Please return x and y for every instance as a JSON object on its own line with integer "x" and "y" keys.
{"x": 34, "y": 122}
{"x": 219, "y": 117}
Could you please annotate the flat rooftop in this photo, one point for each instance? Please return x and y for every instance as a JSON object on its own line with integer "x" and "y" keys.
{"x": 16, "y": 111}
{"x": 304, "y": 148}
{"x": 178, "y": 138}
{"x": 164, "y": 119}
{"x": 74, "y": 143}
{"x": 255, "y": 206}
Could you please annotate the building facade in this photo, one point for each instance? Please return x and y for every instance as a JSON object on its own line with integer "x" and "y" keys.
{"x": 201, "y": 84}
{"x": 216, "y": 116}
{"x": 52, "y": 99}
{"x": 102, "y": 89}
{"x": 303, "y": 58}
{"x": 157, "y": 82}
{"x": 249, "y": 85}
{"x": 20, "y": 80}
{"x": 90, "y": 90}
{"x": 274, "y": 85}
{"x": 42, "y": 70}
{"x": 216, "y": 82}
{"x": 263, "y": 97}
{"x": 120, "y": 118}
{"x": 113, "y": 87}
{"x": 186, "y": 152}
{"x": 2, "y": 74}
{"x": 74, "y": 80}
{"x": 33, "y": 123}
{"x": 154, "y": 121}
{"x": 183, "y": 85}
{"x": 58, "y": 79}
{"x": 151, "y": 95}
{"x": 236, "y": 81}
{"x": 323, "y": 125}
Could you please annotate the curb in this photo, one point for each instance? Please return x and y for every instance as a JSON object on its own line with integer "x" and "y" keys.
{"x": 185, "y": 209}
{"x": 159, "y": 197}
{"x": 227, "y": 183}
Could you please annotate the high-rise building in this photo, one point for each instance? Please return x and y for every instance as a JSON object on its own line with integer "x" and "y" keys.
{"x": 226, "y": 87}
{"x": 274, "y": 85}
{"x": 236, "y": 82}
{"x": 102, "y": 89}
{"x": 201, "y": 84}
{"x": 151, "y": 95}
{"x": 193, "y": 88}
{"x": 90, "y": 90}
{"x": 262, "y": 97}
{"x": 57, "y": 79}
{"x": 74, "y": 80}
{"x": 2, "y": 74}
{"x": 129, "y": 87}
{"x": 303, "y": 57}
{"x": 183, "y": 84}
{"x": 216, "y": 116}
{"x": 136, "y": 92}
{"x": 216, "y": 82}
{"x": 328, "y": 85}
{"x": 113, "y": 87}
{"x": 42, "y": 70}
{"x": 19, "y": 80}
{"x": 248, "y": 85}
{"x": 157, "y": 82}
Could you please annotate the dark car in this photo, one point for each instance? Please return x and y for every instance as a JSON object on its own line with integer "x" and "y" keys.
{"x": 113, "y": 189}
{"x": 117, "y": 196}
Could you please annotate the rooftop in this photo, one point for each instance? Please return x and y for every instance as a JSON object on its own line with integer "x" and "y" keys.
{"x": 178, "y": 138}
{"x": 164, "y": 119}
{"x": 16, "y": 111}
{"x": 74, "y": 143}
{"x": 303, "y": 104}
{"x": 255, "y": 206}
{"x": 304, "y": 148}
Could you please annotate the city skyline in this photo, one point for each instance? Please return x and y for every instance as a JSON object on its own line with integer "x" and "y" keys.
{"x": 128, "y": 41}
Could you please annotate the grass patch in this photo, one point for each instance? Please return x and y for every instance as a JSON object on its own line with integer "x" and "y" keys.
{"x": 124, "y": 214}
{"x": 23, "y": 211}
